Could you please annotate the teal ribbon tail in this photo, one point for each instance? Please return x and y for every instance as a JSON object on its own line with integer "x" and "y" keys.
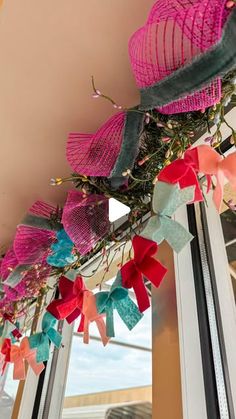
{"x": 153, "y": 226}
{"x": 40, "y": 342}
{"x": 110, "y": 331}
{"x": 54, "y": 337}
{"x": 128, "y": 312}
{"x": 174, "y": 233}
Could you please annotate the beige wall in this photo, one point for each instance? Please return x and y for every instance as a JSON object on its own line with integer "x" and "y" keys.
{"x": 48, "y": 51}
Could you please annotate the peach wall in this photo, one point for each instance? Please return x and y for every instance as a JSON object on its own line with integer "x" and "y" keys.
{"x": 48, "y": 51}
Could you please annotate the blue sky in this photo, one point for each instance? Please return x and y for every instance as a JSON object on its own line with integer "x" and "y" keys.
{"x": 94, "y": 368}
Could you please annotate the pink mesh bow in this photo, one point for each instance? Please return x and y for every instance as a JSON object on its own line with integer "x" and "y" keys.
{"x": 85, "y": 219}
{"x": 33, "y": 242}
{"x": 177, "y": 31}
{"x": 8, "y": 263}
{"x": 20, "y": 354}
{"x": 96, "y": 154}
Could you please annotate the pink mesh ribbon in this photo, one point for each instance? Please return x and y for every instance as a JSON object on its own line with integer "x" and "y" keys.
{"x": 8, "y": 263}
{"x": 177, "y": 31}
{"x": 20, "y": 354}
{"x": 96, "y": 154}
{"x": 32, "y": 241}
{"x": 85, "y": 219}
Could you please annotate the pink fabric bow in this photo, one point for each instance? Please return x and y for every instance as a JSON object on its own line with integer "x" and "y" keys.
{"x": 184, "y": 171}
{"x": 20, "y": 354}
{"x": 143, "y": 264}
{"x": 213, "y": 164}
{"x": 77, "y": 299}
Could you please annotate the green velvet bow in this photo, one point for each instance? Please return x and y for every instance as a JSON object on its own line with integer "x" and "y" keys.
{"x": 118, "y": 298}
{"x": 167, "y": 198}
{"x": 41, "y": 341}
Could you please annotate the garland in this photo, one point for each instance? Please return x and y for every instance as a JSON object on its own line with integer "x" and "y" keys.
{"x": 158, "y": 175}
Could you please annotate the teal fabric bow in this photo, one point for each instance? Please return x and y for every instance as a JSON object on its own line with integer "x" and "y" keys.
{"x": 41, "y": 341}
{"x": 167, "y": 198}
{"x": 62, "y": 251}
{"x": 118, "y": 299}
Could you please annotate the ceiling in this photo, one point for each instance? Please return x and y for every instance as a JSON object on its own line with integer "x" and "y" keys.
{"x": 48, "y": 52}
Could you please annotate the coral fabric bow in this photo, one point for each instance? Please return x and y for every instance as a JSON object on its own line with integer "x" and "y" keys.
{"x": 118, "y": 299}
{"x": 20, "y": 354}
{"x": 41, "y": 341}
{"x": 143, "y": 264}
{"x": 90, "y": 314}
{"x": 183, "y": 171}
{"x": 167, "y": 199}
{"x": 77, "y": 299}
{"x": 213, "y": 164}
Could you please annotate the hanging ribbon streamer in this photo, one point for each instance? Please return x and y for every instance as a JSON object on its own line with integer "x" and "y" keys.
{"x": 41, "y": 341}
{"x": 166, "y": 200}
{"x": 6, "y": 331}
{"x": 62, "y": 251}
{"x": 20, "y": 354}
{"x": 117, "y": 299}
{"x": 142, "y": 265}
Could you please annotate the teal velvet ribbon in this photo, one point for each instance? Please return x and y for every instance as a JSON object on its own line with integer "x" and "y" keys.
{"x": 118, "y": 298}
{"x": 41, "y": 341}
{"x": 167, "y": 198}
{"x": 213, "y": 63}
{"x": 62, "y": 251}
{"x": 40, "y": 222}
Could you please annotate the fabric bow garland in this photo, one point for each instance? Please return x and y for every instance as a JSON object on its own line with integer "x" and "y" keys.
{"x": 41, "y": 341}
{"x": 142, "y": 265}
{"x": 77, "y": 299}
{"x": 20, "y": 354}
{"x": 62, "y": 251}
{"x": 118, "y": 299}
{"x": 167, "y": 199}
{"x": 213, "y": 164}
{"x": 184, "y": 171}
